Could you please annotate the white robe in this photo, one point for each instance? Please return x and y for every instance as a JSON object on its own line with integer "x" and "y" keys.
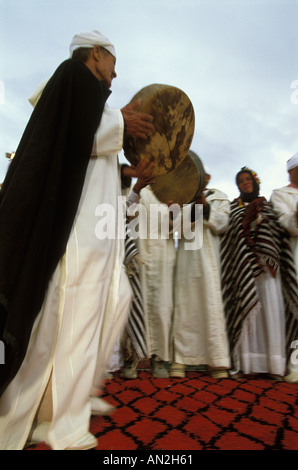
{"x": 199, "y": 329}
{"x": 157, "y": 270}
{"x": 85, "y": 308}
{"x": 262, "y": 347}
{"x": 285, "y": 203}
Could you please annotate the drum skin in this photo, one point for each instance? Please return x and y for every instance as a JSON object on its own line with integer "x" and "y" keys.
{"x": 182, "y": 185}
{"x": 174, "y": 122}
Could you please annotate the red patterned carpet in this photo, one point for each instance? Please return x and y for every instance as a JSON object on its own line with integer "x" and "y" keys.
{"x": 197, "y": 413}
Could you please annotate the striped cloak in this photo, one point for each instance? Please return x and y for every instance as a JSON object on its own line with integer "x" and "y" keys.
{"x": 246, "y": 247}
{"x": 135, "y": 326}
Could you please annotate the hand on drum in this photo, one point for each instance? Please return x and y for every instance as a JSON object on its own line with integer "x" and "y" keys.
{"x": 143, "y": 173}
{"x": 136, "y": 123}
{"x": 202, "y": 200}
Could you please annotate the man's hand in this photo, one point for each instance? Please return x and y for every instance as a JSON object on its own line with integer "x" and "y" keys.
{"x": 144, "y": 170}
{"x": 136, "y": 123}
{"x": 202, "y": 200}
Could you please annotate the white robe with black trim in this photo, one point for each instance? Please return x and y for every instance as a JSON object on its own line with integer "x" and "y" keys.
{"x": 84, "y": 311}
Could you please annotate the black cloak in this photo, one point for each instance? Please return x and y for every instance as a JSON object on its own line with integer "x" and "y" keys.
{"x": 39, "y": 200}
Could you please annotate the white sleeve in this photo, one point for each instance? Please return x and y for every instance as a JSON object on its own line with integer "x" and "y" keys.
{"x": 133, "y": 198}
{"x": 285, "y": 208}
{"x": 108, "y": 139}
{"x": 219, "y": 214}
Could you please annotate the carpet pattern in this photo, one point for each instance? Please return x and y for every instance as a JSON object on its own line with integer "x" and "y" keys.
{"x": 197, "y": 413}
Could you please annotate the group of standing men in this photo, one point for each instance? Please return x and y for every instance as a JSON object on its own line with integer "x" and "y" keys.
{"x": 251, "y": 326}
{"x": 182, "y": 287}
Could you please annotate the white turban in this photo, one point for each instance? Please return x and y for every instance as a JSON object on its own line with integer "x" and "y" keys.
{"x": 94, "y": 38}
{"x": 292, "y": 162}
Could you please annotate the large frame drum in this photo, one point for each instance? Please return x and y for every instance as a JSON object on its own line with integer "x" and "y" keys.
{"x": 182, "y": 185}
{"x": 174, "y": 121}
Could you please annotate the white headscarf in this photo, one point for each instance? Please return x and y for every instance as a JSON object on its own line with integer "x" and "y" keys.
{"x": 94, "y": 38}
{"x": 292, "y": 162}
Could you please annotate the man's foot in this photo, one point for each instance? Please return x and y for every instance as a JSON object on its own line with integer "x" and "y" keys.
{"x": 218, "y": 373}
{"x": 291, "y": 378}
{"x": 88, "y": 441}
{"x": 39, "y": 433}
{"x": 236, "y": 375}
{"x": 100, "y": 407}
{"x": 276, "y": 377}
{"x": 158, "y": 369}
{"x": 177, "y": 370}
{"x": 129, "y": 371}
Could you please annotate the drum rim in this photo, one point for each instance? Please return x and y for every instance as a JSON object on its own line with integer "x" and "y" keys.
{"x": 198, "y": 164}
{"x": 130, "y": 143}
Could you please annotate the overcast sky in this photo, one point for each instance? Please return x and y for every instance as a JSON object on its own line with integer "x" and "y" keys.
{"x": 235, "y": 59}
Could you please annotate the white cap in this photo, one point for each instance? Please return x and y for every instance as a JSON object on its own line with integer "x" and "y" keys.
{"x": 292, "y": 162}
{"x": 94, "y": 38}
